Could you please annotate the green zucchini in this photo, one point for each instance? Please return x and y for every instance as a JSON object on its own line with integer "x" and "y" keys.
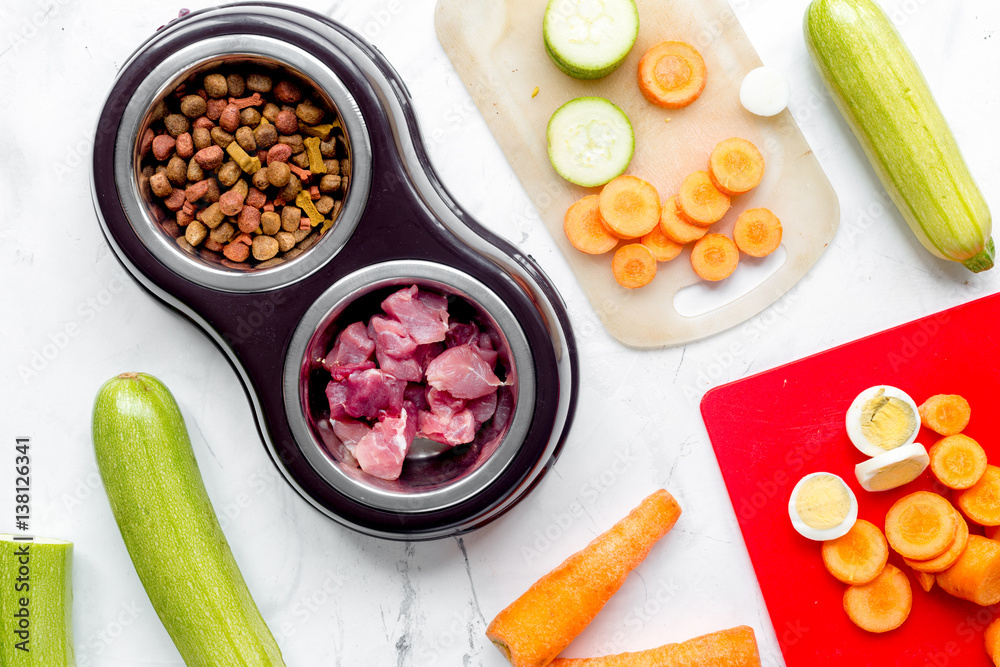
{"x": 170, "y": 529}
{"x": 589, "y": 40}
{"x": 590, "y": 141}
{"x": 882, "y": 94}
{"x": 36, "y": 602}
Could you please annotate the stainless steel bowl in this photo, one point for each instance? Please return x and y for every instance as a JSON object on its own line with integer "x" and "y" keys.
{"x": 434, "y": 477}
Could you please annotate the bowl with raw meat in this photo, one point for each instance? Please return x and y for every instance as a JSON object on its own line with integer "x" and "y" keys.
{"x": 414, "y": 386}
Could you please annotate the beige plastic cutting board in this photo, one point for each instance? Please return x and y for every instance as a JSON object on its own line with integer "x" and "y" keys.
{"x": 497, "y": 48}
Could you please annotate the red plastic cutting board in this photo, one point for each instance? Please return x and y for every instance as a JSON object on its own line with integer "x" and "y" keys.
{"x": 770, "y": 429}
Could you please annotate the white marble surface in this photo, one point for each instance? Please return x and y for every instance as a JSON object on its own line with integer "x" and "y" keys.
{"x": 333, "y": 597}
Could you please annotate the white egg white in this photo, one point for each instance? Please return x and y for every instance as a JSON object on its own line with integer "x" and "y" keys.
{"x": 764, "y": 92}
{"x": 853, "y": 418}
{"x": 912, "y": 458}
{"x": 821, "y": 535}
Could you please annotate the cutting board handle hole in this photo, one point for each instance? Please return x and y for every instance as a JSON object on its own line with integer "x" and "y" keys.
{"x": 704, "y": 297}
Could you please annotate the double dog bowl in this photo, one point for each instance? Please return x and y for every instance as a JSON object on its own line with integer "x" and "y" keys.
{"x": 397, "y": 227}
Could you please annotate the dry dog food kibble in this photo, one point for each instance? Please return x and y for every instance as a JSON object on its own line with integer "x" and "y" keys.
{"x": 244, "y": 167}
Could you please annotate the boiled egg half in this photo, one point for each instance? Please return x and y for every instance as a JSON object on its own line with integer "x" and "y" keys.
{"x": 893, "y": 468}
{"x": 822, "y": 507}
{"x": 881, "y": 419}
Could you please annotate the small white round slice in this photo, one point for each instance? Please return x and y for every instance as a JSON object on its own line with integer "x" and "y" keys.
{"x": 822, "y": 507}
{"x": 589, "y": 39}
{"x": 590, "y": 141}
{"x": 858, "y": 422}
{"x": 893, "y": 469}
{"x": 764, "y": 92}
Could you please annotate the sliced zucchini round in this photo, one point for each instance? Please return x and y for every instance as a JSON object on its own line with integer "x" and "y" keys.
{"x": 590, "y": 141}
{"x": 589, "y": 39}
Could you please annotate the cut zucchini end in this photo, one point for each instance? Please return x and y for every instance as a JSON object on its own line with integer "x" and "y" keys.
{"x": 590, "y": 141}
{"x": 983, "y": 261}
{"x": 587, "y": 40}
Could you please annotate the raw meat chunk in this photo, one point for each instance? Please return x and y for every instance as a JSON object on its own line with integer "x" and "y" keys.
{"x": 483, "y": 408}
{"x": 381, "y": 452}
{"x": 462, "y": 372}
{"x": 350, "y": 432}
{"x": 450, "y": 429}
{"x": 353, "y": 346}
{"x": 371, "y": 392}
{"x": 390, "y": 337}
{"x": 424, "y": 315}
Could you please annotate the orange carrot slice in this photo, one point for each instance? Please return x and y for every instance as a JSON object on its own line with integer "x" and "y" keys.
{"x": 949, "y": 557}
{"x": 981, "y": 501}
{"x": 676, "y": 228}
{"x": 629, "y": 206}
{"x": 735, "y": 166}
{"x": 663, "y": 248}
{"x": 881, "y": 605}
{"x": 584, "y": 229}
{"x": 736, "y": 647}
{"x": 714, "y": 257}
{"x": 537, "y": 626}
{"x": 945, "y": 414}
{"x": 633, "y": 265}
{"x": 925, "y": 579}
{"x": 757, "y": 232}
{"x": 957, "y": 461}
{"x": 672, "y": 74}
{"x": 858, "y": 556}
{"x": 992, "y": 638}
{"x": 976, "y": 574}
{"x": 699, "y": 201}
{"x": 921, "y": 526}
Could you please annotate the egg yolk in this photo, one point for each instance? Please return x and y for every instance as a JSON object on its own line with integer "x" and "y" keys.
{"x": 823, "y": 502}
{"x": 887, "y": 422}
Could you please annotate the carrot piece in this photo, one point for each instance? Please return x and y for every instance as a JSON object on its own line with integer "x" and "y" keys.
{"x": 633, "y": 265}
{"x": 663, "y": 248}
{"x": 945, "y": 414}
{"x": 921, "y": 526}
{"x": 925, "y": 579}
{"x": 992, "y": 532}
{"x": 714, "y": 257}
{"x": 735, "y": 166}
{"x": 672, "y": 74}
{"x": 701, "y": 202}
{"x": 992, "y": 638}
{"x": 584, "y": 229}
{"x": 736, "y": 647}
{"x": 629, "y": 206}
{"x": 976, "y": 574}
{"x": 881, "y": 605}
{"x": 676, "y": 228}
{"x": 949, "y": 557}
{"x": 957, "y": 461}
{"x": 858, "y": 556}
{"x": 981, "y": 501}
{"x": 757, "y": 232}
{"x": 537, "y": 626}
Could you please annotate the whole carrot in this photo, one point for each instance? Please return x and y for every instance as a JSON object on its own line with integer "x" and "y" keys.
{"x": 533, "y": 629}
{"x": 736, "y": 647}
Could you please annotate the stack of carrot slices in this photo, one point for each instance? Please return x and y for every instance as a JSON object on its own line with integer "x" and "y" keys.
{"x": 930, "y": 533}
{"x": 628, "y": 208}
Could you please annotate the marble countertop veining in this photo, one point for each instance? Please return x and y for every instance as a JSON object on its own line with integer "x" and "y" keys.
{"x": 72, "y": 317}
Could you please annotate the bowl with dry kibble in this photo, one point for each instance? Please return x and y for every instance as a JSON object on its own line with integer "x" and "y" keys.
{"x": 259, "y": 168}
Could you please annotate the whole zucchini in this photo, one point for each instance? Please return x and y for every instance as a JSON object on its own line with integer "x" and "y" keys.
{"x": 36, "y": 602}
{"x": 170, "y": 529}
{"x": 881, "y": 93}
